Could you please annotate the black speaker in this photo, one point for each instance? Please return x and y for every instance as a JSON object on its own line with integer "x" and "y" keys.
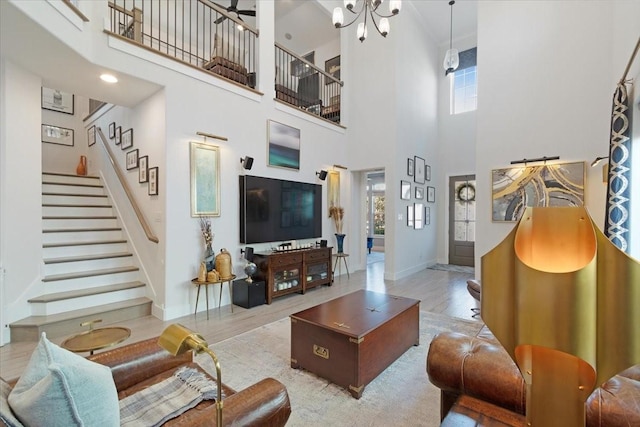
{"x": 247, "y": 162}
{"x": 248, "y": 253}
{"x": 323, "y": 243}
{"x": 322, "y": 175}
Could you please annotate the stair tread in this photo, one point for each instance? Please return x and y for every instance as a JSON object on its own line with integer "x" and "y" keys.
{"x": 104, "y": 196}
{"x": 71, "y": 175}
{"x": 60, "y": 317}
{"x": 94, "y": 242}
{"x": 80, "y": 230}
{"x": 72, "y": 205}
{"x": 80, "y": 217}
{"x": 87, "y": 257}
{"x": 91, "y": 273}
{"x": 72, "y": 184}
{"x": 59, "y": 296}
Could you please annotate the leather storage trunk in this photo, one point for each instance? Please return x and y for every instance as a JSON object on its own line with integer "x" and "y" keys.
{"x": 352, "y": 339}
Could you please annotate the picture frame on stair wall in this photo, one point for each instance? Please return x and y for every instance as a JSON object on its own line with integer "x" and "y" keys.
{"x": 132, "y": 159}
{"x": 112, "y": 130}
{"x": 153, "y": 181}
{"x": 143, "y": 169}
{"x": 56, "y": 100}
{"x": 127, "y": 139}
{"x": 118, "y": 135}
{"x": 91, "y": 135}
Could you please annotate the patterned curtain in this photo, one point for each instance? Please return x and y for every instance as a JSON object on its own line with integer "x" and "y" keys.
{"x": 619, "y": 183}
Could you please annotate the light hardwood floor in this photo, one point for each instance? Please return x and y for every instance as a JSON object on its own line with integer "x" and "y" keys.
{"x": 439, "y": 291}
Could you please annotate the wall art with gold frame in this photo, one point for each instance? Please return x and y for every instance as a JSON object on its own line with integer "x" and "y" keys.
{"x": 516, "y": 188}
{"x": 205, "y": 179}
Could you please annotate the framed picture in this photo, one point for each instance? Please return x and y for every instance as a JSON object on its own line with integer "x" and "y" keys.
{"x": 284, "y": 146}
{"x": 515, "y": 188}
{"x": 431, "y": 194}
{"x": 419, "y": 193}
{"x": 405, "y": 190}
{"x": 132, "y": 159}
{"x": 427, "y": 215}
{"x": 127, "y": 139}
{"x": 418, "y": 170}
{"x": 55, "y": 100}
{"x": 112, "y": 130}
{"x": 57, "y": 135}
{"x": 205, "y": 179}
{"x": 410, "y": 216}
{"x": 333, "y": 190}
{"x": 410, "y": 167}
{"x": 418, "y": 221}
{"x": 153, "y": 181}
{"x": 332, "y": 66}
{"x": 427, "y": 172}
{"x": 91, "y": 135}
{"x": 118, "y": 135}
{"x": 143, "y": 169}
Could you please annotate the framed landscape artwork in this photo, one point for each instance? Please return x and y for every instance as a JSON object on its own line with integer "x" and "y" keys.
{"x": 205, "y": 179}
{"x": 513, "y": 189}
{"x": 57, "y": 135}
{"x": 284, "y": 146}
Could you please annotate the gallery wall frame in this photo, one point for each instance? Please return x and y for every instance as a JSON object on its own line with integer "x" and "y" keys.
{"x": 283, "y": 148}
{"x": 91, "y": 135}
{"x": 431, "y": 194}
{"x": 405, "y": 190}
{"x": 410, "y": 167}
{"x": 427, "y": 215}
{"x": 418, "y": 168}
{"x": 118, "y": 135}
{"x": 127, "y": 139}
{"x": 205, "y": 179}
{"x": 57, "y": 135}
{"x": 153, "y": 181}
{"x": 132, "y": 159}
{"x": 418, "y": 212}
{"x": 515, "y": 188}
{"x": 419, "y": 193}
{"x": 143, "y": 169}
{"x": 427, "y": 172}
{"x": 112, "y": 130}
{"x": 56, "y": 100}
{"x": 410, "y": 216}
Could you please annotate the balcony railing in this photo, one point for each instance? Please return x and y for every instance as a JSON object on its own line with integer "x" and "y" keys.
{"x": 304, "y": 85}
{"x": 196, "y": 32}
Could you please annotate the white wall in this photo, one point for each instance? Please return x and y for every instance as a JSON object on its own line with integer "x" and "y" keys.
{"x": 546, "y": 73}
{"x": 20, "y": 189}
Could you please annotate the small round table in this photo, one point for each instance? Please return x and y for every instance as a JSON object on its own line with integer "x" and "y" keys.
{"x": 206, "y": 284}
{"x": 341, "y": 256}
{"x": 96, "y": 339}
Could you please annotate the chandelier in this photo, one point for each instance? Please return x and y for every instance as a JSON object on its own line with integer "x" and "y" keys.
{"x": 369, "y": 7}
{"x": 451, "y": 58}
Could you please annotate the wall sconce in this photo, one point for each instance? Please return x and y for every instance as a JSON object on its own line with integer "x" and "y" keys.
{"x": 247, "y": 162}
{"x": 322, "y": 175}
{"x": 177, "y": 339}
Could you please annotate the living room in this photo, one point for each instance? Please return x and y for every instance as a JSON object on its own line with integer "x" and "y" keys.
{"x": 525, "y": 107}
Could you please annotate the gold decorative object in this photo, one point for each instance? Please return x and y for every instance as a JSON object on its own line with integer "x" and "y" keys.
{"x": 202, "y": 272}
{"x": 177, "y": 339}
{"x": 223, "y": 264}
{"x": 565, "y": 304}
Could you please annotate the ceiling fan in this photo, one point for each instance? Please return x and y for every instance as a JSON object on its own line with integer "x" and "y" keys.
{"x": 234, "y": 9}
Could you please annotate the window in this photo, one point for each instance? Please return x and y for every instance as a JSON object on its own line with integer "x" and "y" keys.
{"x": 464, "y": 84}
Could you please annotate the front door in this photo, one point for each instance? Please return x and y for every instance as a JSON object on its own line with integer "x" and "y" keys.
{"x": 462, "y": 219}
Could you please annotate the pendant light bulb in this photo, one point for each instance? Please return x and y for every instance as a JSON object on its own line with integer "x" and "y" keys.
{"x": 395, "y": 6}
{"x": 362, "y": 32}
{"x": 384, "y": 27}
{"x": 338, "y": 17}
{"x": 451, "y": 58}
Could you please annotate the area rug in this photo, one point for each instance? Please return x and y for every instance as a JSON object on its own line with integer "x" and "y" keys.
{"x": 451, "y": 267}
{"x": 400, "y": 396}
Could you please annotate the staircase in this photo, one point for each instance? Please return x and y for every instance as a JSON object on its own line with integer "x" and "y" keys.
{"x": 89, "y": 272}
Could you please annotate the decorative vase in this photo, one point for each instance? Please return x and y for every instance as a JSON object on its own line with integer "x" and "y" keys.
{"x": 223, "y": 264}
{"x": 209, "y": 257}
{"x": 340, "y": 240}
{"x": 82, "y": 166}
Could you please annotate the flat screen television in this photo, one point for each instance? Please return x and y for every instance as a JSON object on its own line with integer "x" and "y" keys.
{"x": 274, "y": 210}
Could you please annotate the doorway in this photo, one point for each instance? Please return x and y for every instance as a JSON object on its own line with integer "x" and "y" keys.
{"x": 462, "y": 220}
{"x": 375, "y": 217}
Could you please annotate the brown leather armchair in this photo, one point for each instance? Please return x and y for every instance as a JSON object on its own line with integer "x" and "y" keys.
{"x": 142, "y": 364}
{"x": 479, "y": 382}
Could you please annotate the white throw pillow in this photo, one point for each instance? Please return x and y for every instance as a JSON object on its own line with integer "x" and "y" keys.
{"x": 60, "y": 388}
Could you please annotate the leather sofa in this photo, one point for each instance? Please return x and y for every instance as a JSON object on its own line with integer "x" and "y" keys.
{"x": 142, "y": 364}
{"x": 481, "y": 385}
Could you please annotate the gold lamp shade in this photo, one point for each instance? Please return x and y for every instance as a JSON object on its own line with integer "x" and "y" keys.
{"x": 178, "y": 339}
{"x": 565, "y": 304}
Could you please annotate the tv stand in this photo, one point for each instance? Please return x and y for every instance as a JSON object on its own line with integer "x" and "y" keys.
{"x": 293, "y": 271}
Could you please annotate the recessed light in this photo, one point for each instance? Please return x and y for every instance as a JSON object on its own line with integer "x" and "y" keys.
{"x": 109, "y": 78}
